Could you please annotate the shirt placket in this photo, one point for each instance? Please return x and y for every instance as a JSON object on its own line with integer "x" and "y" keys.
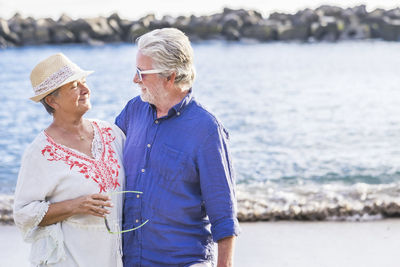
{"x": 150, "y": 139}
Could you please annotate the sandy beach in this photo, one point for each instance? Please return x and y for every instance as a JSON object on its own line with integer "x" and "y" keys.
{"x": 279, "y": 244}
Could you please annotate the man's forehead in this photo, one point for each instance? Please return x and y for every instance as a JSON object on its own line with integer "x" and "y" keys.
{"x": 143, "y": 61}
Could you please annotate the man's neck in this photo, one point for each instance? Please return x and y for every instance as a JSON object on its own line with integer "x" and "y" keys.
{"x": 169, "y": 102}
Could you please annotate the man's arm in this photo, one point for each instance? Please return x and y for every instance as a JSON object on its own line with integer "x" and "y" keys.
{"x": 225, "y": 251}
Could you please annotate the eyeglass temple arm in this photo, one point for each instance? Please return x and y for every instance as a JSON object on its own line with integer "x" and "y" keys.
{"x": 150, "y": 71}
{"x": 121, "y": 192}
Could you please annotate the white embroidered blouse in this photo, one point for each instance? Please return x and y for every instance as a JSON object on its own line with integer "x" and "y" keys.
{"x": 51, "y": 172}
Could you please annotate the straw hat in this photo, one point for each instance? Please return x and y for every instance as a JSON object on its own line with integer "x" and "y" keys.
{"x": 52, "y": 73}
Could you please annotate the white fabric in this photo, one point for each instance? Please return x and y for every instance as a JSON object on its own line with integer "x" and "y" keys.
{"x": 203, "y": 264}
{"x": 51, "y": 173}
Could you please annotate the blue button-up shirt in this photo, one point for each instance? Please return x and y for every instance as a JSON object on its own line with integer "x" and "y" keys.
{"x": 181, "y": 163}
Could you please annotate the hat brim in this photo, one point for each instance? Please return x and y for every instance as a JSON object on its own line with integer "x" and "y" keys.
{"x": 74, "y": 77}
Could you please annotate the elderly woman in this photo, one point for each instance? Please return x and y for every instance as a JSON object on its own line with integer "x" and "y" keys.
{"x": 68, "y": 174}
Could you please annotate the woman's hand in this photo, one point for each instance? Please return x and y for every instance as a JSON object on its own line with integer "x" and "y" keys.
{"x": 94, "y": 204}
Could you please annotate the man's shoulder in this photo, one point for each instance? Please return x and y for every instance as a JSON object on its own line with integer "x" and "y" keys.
{"x": 135, "y": 102}
{"x": 204, "y": 117}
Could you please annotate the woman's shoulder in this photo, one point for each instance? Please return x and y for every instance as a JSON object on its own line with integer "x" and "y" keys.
{"x": 105, "y": 124}
{"x": 37, "y": 143}
{"x": 102, "y": 123}
{"x": 34, "y": 150}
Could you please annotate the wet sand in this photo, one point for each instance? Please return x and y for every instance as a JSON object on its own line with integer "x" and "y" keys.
{"x": 279, "y": 244}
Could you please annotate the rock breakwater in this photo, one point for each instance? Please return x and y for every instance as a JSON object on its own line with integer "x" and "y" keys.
{"x": 325, "y": 23}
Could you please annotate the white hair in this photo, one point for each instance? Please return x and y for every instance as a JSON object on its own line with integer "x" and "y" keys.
{"x": 170, "y": 51}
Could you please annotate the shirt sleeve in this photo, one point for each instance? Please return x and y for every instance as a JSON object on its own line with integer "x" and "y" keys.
{"x": 122, "y": 119}
{"x": 30, "y": 206}
{"x": 218, "y": 185}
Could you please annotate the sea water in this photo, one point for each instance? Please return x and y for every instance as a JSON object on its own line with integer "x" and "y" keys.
{"x": 314, "y": 128}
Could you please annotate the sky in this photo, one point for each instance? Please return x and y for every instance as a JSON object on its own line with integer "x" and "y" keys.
{"x": 135, "y": 9}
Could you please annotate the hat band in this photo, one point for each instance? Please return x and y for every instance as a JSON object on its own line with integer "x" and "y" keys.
{"x": 53, "y": 80}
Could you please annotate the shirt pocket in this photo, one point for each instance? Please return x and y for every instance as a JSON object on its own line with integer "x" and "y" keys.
{"x": 171, "y": 163}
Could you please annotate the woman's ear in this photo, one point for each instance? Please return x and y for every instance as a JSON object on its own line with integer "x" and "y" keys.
{"x": 51, "y": 101}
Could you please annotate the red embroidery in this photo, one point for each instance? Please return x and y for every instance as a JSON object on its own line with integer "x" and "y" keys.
{"x": 104, "y": 170}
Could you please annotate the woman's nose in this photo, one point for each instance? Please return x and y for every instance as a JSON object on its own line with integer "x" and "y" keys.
{"x": 84, "y": 87}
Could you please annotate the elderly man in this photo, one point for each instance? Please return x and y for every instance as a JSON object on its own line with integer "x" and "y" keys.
{"x": 176, "y": 154}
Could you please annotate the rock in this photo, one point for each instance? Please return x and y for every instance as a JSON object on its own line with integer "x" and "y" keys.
{"x": 251, "y": 18}
{"x": 393, "y": 13}
{"x": 61, "y": 35}
{"x": 135, "y": 31}
{"x": 262, "y": 32}
{"x": 329, "y": 11}
{"x": 77, "y": 27}
{"x": 125, "y": 26}
{"x": 205, "y": 27}
{"x": 327, "y": 29}
{"x": 287, "y": 32}
{"x": 92, "y": 29}
{"x": 374, "y": 20}
{"x": 306, "y": 16}
{"x": 43, "y": 29}
{"x": 115, "y": 27}
{"x": 99, "y": 29}
{"x": 115, "y": 21}
{"x": 15, "y": 23}
{"x": 27, "y": 36}
{"x": 7, "y": 34}
{"x": 359, "y": 11}
{"x": 356, "y": 32}
{"x": 85, "y": 38}
{"x": 390, "y": 29}
{"x": 145, "y": 21}
{"x": 3, "y": 43}
{"x": 64, "y": 19}
{"x": 231, "y": 25}
{"x": 231, "y": 34}
{"x": 115, "y": 17}
{"x": 231, "y": 20}
{"x": 279, "y": 16}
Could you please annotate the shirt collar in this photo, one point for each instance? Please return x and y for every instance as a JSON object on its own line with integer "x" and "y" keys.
{"x": 178, "y": 108}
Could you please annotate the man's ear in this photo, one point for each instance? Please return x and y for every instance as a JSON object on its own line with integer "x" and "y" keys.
{"x": 171, "y": 78}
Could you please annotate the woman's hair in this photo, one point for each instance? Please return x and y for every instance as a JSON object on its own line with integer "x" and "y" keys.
{"x": 48, "y": 108}
{"x": 170, "y": 51}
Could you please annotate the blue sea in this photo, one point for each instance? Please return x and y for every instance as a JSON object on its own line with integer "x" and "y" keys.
{"x": 314, "y": 128}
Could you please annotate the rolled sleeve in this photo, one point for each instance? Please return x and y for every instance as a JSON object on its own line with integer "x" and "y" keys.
{"x": 217, "y": 183}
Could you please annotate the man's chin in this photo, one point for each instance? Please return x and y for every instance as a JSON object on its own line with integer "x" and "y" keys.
{"x": 146, "y": 98}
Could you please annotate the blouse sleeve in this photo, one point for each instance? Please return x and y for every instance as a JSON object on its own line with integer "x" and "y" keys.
{"x": 30, "y": 206}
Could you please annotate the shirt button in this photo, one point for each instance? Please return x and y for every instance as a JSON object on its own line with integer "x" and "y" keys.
{"x": 178, "y": 113}
{"x": 143, "y": 170}
{"x": 148, "y": 145}
{"x": 137, "y": 196}
{"x": 156, "y": 121}
{"x": 137, "y": 221}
